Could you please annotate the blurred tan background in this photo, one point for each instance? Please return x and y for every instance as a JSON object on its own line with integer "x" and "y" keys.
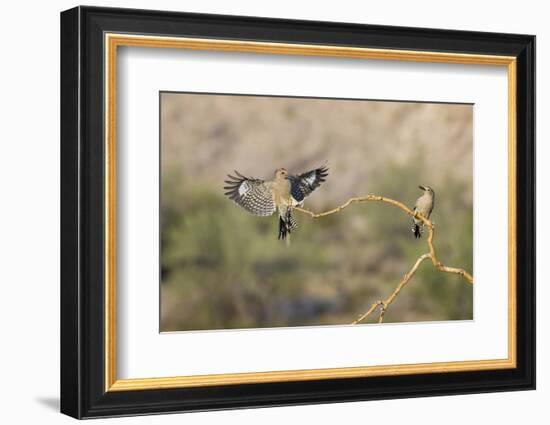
{"x": 222, "y": 267}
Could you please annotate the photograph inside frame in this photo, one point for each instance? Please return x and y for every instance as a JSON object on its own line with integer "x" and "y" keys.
{"x": 289, "y": 211}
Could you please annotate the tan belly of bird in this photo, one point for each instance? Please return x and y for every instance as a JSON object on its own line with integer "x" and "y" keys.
{"x": 281, "y": 193}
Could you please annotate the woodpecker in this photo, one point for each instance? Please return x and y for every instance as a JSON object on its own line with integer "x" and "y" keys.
{"x": 424, "y": 205}
{"x": 283, "y": 193}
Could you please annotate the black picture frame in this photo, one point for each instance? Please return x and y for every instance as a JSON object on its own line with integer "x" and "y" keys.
{"x": 83, "y": 392}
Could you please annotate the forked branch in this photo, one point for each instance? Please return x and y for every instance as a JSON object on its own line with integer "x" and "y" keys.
{"x": 383, "y": 305}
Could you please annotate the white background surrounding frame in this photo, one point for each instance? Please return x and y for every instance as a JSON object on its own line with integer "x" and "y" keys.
{"x": 144, "y": 352}
{"x": 29, "y": 156}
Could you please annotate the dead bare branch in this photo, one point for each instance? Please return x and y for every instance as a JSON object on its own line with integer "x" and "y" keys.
{"x": 383, "y": 305}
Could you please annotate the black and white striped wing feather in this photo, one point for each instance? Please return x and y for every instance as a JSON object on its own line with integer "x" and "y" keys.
{"x": 303, "y": 184}
{"x": 254, "y": 195}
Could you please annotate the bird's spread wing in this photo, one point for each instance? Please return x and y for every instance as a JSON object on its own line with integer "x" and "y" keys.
{"x": 254, "y": 195}
{"x": 303, "y": 184}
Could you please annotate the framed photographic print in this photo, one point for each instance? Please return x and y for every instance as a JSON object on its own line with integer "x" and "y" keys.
{"x": 261, "y": 212}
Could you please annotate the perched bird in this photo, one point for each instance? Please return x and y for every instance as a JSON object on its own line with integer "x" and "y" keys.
{"x": 424, "y": 205}
{"x": 283, "y": 193}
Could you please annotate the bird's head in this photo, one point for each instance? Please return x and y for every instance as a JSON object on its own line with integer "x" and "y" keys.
{"x": 427, "y": 189}
{"x": 281, "y": 173}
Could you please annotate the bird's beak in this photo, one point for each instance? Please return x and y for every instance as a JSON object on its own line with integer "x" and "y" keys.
{"x": 422, "y": 188}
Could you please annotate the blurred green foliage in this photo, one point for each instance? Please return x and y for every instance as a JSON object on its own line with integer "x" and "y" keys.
{"x": 224, "y": 268}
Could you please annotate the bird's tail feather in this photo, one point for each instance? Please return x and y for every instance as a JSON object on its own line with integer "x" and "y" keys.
{"x": 417, "y": 230}
{"x": 287, "y": 225}
{"x": 282, "y": 228}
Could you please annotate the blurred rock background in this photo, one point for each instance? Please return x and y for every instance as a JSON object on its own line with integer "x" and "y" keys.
{"x": 224, "y": 268}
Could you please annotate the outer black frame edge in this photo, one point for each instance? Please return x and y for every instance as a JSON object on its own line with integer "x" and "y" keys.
{"x": 82, "y": 174}
{"x": 526, "y": 210}
{"x": 69, "y": 320}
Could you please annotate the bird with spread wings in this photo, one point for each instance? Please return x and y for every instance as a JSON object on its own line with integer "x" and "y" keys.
{"x": 283, "y": 193}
